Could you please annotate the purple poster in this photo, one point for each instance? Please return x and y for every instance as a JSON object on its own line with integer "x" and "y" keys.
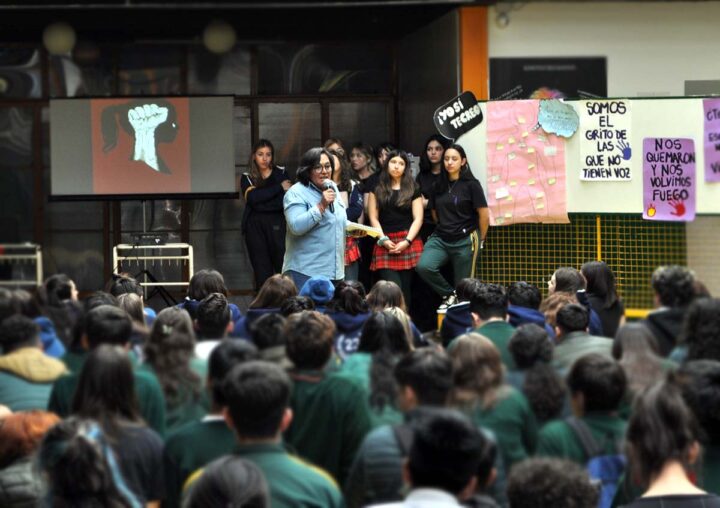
{"x": 668, "y": 179}
{"x": 712, "y": 140}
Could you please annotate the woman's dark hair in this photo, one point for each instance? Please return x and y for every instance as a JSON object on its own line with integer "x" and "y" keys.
{"x": 25, "y": 303}
{"x": 336, "y": 141}
{"x": 346, "y": 176}
{"x": 661, "y": 429}
{"x": 169, "y": 349}
{"x": 443, "y": 183}
{"x": 569, "y": 280}
{"x": 56, "y": 300}
{"x": 255, "y": 176}
{"x": 384, "y": 191}
{"x": 296, "y": 304}
{"x": 349, "y": 297}
{"x": 121, "y": 284}
{"x": 81, "y": 470}
{"x": 600, "y": 281}
{"x": 206, "y": 282}
{"x": 386, "y": 294}
{"x": 106, "y": 389}
{"x": 310, "y": 160}
{"x": 112, "y": 115}
{"x": 274, "y": 291}
{"x": 545, "y": 391}
{"x": 58, "y": 288}
{"x": 636, "y": 350}
{"x": 529, "y": 345}
{"x": 369, "y": 154}
{"x": 230, "y": 481}
{"x": 425, "y": 165}
{"x": 701, "y": 329}
{"x": 466, "y": 288}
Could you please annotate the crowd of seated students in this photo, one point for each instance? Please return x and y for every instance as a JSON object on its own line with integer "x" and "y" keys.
{"x": 327, "y": 397}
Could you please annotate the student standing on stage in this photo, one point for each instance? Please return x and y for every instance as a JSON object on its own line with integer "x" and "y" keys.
{"x": 431, "y": 165}
{"x": 353, "y": 199}
{"x": 462, "y": 217}
{"x": 362, "y": 160}
{"x": 395, "y": 207}
{"x": 263, "y": 188}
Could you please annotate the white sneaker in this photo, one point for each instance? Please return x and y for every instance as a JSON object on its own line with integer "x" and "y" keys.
{"x": 448, "y": 301}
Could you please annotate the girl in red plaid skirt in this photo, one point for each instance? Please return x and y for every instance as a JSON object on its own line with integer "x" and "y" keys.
{"x": 350, "y": 194}
{"x": 395, "y": 207}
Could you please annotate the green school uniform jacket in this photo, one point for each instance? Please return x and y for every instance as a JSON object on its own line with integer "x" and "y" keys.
{"x": 557, "y": 439}
{"x": 330, "y": 419}
{"x": 26, "y": 378}
{"x": 190, "y": 448}
{"x": 578, "y": 344}
{"x": 293, "y": 483}
{"x": 512, "y": 421}
{"x": 499, "y": 333}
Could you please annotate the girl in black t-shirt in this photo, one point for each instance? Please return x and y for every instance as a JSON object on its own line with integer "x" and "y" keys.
{"x": 263, "y": 224}
{"x": 460, "y": 210}
{"x": 395, "y": 207}
{"x": 431, "y": 166}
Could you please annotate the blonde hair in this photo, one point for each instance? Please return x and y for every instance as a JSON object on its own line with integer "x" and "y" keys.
{"x": 477, "y": 371}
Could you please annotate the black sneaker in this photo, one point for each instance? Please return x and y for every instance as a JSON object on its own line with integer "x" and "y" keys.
{"x": 448, "y": 301}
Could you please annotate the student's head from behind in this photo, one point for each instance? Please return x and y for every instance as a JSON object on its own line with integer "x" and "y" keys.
{"x": 205, "y": 282}
{"x": 268, "y": 331}
{"x": 349, "y": 297}
{"x": 18, "y": 332}
{"x": 78, "y": 449}
{"x": 699, "y": 381}
{"x": 133, "y": 305}
{"x": 386, "y": 294}
{"x": 123, "y": 284}
{"x": 310, "y": 336}
{"x": 701, "y": 329}
{"x": 225, "y": 356}
{"x": 213, "y": 316}
{"x": 488, "y": 301}
{"x": 566, "y": 280}
{"x": 553, "y": 303}
{"x": 466, "y": 287}
{"x": 274, "y": 291}
{"x": 25, "y": 303}
{"x": 662, "y": 429}
{"x": 257, "y": 397}
{"x": 21, "y": 433}
{"x": 634, "y": 340}
{"x": 7, "y": 307}
{"x": 673, "y": 285}
{"x": 229, "y": 481}
{"x": 572, "y": 317}
{"x": 171, "y": 339}
{"x": 58, "y": 288}
{"x": 524, "y": 294}
{"x": 424, "y": 378}
{"x": 106, "y": 324}
{"x": 383, "y": 331}
{"x": 296, "y": 304}
{"x": 596, "y": 383}
{"x": 600, "y": 281}
{"x": 544, "y": 482}
{"x": 477, "y": 370}
{"x": 530, "y": 344}
{"x": 445, "y": 454}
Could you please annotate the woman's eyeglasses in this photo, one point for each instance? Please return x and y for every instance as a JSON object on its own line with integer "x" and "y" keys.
{"x": 321, "y": 168}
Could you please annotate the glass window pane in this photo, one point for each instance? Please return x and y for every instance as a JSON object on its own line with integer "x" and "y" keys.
{"x": 79, "y": 255}
{"x": 242, "y": 130}
{"x": 88, "y": 72}
{"x": 213, "y": 74}
{"x": 20, "y": 73}
{"x": 292, "y": 128}
{"x": 359, "y": 121}
{"x": 15, "y": 137}
{"x": 16, "y": 205}
{"x": 216, "y": 214}
{"x": 160, "y": 215}
{"x": 224, "y": 251}
{"x": 70, "y": 215}
{"x": 149, "y": 70}
{"x": 311, "y": 69}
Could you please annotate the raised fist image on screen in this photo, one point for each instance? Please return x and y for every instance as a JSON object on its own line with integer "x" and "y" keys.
{"x": 148, "y": 122}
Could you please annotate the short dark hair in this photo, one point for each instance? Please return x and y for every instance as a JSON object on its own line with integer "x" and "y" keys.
{"x": 569, "y": 280}
{"x": 213, "y": 315}
{"x": 674, "y": 285}
{"x": 230, "y": 481}
{"x": 381, "y": 331}
{"x": 466, "y": 287}
{"x": 223, "y": 358}
{"x": 268, "y": 330}
{"x": 296, "y": 304}
{"x": 524, "y": 294}
{"x": 7, "y": 308}
{"x": 572, "y": 317}
{"x": 600, "y": 379}
{"x": 489, "y": 301}
{"x": 428, "y": 371}
{"x": 699, "y": 381}
{"x": 309, "y": 160}
{"x": 106, "y": 324}
{"x": 205, "y": 282}
{"x": 309, "y": 336}
{"x": 25, "y": 303}
{"x": 701, "y": 329}
{"x": 257, "y": 394}
{"x": 121, "y": 285}
{"x": 18, "y": 331}
{"x": 543, "y": 482}
{"x": 349, "y": 297}
{"x": 529, "y": 345}
{"x": 445, "y": 452}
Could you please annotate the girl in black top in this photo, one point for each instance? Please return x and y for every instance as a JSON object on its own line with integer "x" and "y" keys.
{"x": 395, "y": 207}
{"x": 263, "y": 188}
{"x": 460, "y": 210}
{"x": 431, "y": 165}
{"x": 602, "y": 295}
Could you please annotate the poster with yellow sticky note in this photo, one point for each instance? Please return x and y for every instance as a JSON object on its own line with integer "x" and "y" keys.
{"x": 502, "y": 193}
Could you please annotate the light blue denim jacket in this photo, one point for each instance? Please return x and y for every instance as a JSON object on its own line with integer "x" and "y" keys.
{"x": 315, "y": 242}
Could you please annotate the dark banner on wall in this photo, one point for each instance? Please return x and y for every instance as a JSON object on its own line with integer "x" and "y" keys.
{"x": 548, "y": 78}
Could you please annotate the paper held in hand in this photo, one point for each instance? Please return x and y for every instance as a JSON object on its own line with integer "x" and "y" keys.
{"x": 371, "y": 231}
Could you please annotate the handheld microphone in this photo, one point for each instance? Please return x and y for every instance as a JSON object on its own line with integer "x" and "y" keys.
{"x": 327, "y": 184}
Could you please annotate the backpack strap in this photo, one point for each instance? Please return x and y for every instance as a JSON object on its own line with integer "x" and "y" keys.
{"x": 584, "y": 435}
{"x": 404, "y": 437}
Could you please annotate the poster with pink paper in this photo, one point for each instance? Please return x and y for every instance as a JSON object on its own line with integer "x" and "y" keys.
{"x": 669, "y": 182}
{"x": 712, "y": 139}
{"x": 525, "y": 166}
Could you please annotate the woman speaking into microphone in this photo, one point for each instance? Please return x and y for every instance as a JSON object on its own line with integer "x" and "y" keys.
{"x": 315, "y": 240}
